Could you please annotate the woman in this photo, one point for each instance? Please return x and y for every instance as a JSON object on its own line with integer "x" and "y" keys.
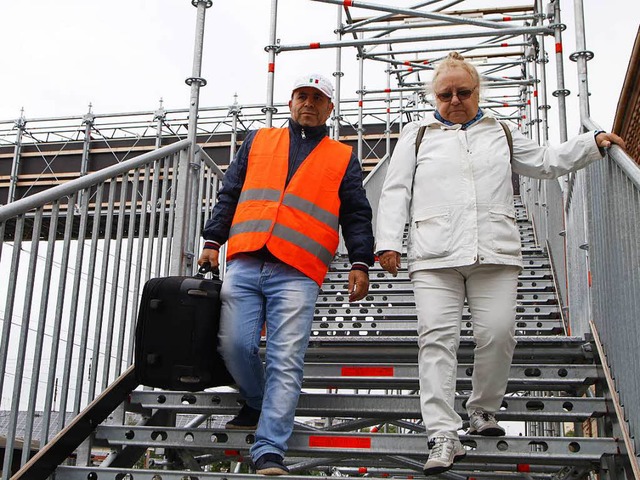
{"x": 464, "y": 242}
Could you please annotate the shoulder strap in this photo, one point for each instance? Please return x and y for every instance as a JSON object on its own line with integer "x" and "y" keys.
{"x": 504, "y": 126}
{"x": 507, "y": 133}
{"x": 419, "y": 138}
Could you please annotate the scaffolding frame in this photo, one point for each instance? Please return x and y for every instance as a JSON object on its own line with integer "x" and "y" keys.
{"x": 510, "y": 55}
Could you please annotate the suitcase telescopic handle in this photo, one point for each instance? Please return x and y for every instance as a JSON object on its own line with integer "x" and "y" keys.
{"x": 206, "y": 268}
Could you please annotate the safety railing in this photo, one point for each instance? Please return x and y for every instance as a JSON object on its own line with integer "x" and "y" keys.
{"x": 613, "y": 213}
{"x": 73, "y": 260}
{"x": 590, "y": 223}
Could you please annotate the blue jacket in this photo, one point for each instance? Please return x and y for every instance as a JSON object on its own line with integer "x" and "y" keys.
{"x": 355, "y": 211}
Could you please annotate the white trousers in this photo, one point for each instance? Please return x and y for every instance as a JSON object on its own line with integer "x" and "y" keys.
{"x": 491, "y": 294}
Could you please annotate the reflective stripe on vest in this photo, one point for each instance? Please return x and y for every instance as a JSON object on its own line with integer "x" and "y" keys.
{"x": 311, "y": 209}
{"x": 306, "y": 243}
{"x": 250, "y": 226}
{"x": 287, "y": 234}
{"x": 299, "y": 224}
{"x": 259, "y": 194}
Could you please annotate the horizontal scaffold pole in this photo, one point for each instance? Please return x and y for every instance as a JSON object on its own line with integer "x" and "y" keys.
{"x": 422, "y": 38}
{"x": 416, "y": 13}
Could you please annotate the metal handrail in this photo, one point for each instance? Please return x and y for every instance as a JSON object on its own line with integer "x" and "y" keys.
{"x": 617, "y": 154}
{"x": 36, "y": 200}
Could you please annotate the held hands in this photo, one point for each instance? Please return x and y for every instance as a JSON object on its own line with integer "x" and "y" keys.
{"x": 209, "y": 255}
{"x": 358, "y": 285}
{"x": 605, "y": 140}
{"x": 390, "y": 261}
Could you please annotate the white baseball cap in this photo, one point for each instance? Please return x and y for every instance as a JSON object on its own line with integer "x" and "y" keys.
{"x": 317, "y": 81}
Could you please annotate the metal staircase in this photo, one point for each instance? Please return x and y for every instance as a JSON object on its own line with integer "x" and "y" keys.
{"x": 76, "y": 247}
{"x": 359, "y": 412}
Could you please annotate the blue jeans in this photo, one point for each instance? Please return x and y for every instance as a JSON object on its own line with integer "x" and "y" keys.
{"x": 255, "y": 293}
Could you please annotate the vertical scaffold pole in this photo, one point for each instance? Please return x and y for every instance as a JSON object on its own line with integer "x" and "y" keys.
{"x": 542, "y": 60}
{"x": 88, "y": 121}
{"x": 387, "y": 130}
{"x": 234, "y": 111}
{"x": 186, "y": 203}
{"x": 543, "y": 103}
{"x": 581, "y": 56}
{"x": 338, "y": 75}
{"x": 360, "y": 105}
{"x": 269, "y": 110}
{"x": 159, "y": 117}
{"x": 17, "y": 151}
{"x": 400, "y": 111}
{"x": 561, "y": 92}
{"x": 533, "y": 103}
{"x": 529, "y": 72}
{"x": 195, "y": 81}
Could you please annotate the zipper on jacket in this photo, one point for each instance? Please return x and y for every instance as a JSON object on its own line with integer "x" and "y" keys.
{"x": 466, "y": 142}
{"x": 302, "y": 134}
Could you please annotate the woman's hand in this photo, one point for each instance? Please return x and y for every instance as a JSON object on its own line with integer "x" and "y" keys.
{"x": 605, "y": 140}
{"x": 390, "y": 261}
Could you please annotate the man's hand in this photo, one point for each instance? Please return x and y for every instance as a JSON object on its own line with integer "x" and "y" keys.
{"x": 358, "y": 285}
{"x": 209, "y": 255}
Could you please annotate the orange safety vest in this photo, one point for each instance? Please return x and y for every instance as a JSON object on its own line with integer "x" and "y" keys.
{"x": 299, "y": 223}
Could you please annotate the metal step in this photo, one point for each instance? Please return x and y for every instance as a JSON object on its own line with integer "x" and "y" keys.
{"x": 234, "y": 443}
{"x": 404, "y": 349}
{"x": 377, "y": 406}
{"x": 397, "y": 299}
{"x": 381, "y": 311}
{"x": 105, "y": 473}
{"x": 528, "y": 274}
{"x": 563, "y": 377}
{"x": 382, "y": 325}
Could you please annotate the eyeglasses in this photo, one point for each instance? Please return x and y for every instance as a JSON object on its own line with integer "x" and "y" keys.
{"x": 461, "y": 94}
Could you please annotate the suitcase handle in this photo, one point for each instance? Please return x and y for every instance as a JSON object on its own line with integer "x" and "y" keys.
{"x": 206, "y": 268}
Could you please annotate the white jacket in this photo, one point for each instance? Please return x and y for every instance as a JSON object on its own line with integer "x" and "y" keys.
{"x": 458, "y": 195}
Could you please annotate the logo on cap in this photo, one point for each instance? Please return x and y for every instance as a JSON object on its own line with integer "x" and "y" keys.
{"x": 316, "y": 81}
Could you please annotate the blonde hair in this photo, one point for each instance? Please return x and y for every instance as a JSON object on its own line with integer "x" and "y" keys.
{"x": 453, "y": 60}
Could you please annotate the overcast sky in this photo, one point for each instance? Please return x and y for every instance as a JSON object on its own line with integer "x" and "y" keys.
{"x": 124, "y": 55}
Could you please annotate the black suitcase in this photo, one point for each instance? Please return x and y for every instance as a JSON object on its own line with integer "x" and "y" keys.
{"x": 177, "y": 334}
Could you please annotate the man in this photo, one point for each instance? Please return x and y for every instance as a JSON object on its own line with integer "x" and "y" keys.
{"x": 279, "y": 208}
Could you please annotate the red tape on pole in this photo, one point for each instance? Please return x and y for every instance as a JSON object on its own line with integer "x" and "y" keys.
{"x": 367, "y": 371}
{"x": 325, "y": 441}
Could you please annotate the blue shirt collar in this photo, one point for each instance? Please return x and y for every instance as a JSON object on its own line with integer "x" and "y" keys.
{"x": 478, "y": 116}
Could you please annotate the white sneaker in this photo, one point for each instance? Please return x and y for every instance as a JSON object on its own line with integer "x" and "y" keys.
{"x": 443, "y": 453}
{"x": 484, "y": 423}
